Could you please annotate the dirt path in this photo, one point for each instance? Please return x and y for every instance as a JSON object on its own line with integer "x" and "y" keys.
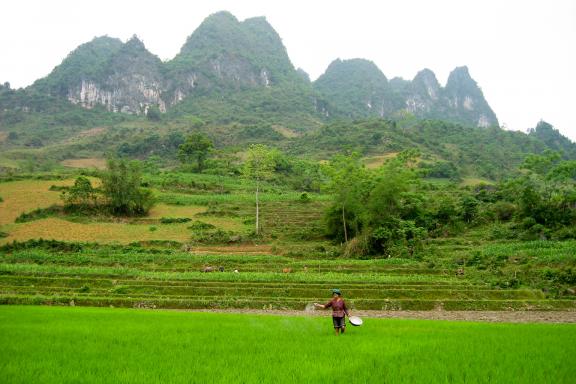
{"x": 488, "y": 316}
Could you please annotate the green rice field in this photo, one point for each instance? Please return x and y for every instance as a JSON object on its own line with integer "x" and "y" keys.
{"x": 103, "y": 345}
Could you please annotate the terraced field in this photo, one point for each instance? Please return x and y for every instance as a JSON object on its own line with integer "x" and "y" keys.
{"x": 163, "y": 278}
{"x": 127, "y": 264}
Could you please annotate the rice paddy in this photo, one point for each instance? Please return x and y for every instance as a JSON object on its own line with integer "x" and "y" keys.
{"x": 100, "y": 345}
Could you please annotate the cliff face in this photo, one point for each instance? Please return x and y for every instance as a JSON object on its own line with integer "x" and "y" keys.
{"x": 131, "y": 81}
{"x": 222, "y": 55}
{"x": 466, "y": 101}
{"x": 226, "y": 61}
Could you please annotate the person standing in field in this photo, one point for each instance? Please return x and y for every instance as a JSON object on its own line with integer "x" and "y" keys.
{"x": 339, "y": 310}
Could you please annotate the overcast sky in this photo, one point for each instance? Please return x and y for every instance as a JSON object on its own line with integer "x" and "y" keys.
{"x": 521, "y": 53}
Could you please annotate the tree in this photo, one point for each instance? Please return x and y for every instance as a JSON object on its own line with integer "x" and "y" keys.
{"x": 350, "y": 185}
{"x": 153, "y": 113}
{"x": 197, "y": 147}
{"x": 121, "y": 185}
{"x": 258, "y": 167}
{"x": 81, "y": 195}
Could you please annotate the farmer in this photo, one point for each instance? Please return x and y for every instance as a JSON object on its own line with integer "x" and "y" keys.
{"x": 338, "y": 310}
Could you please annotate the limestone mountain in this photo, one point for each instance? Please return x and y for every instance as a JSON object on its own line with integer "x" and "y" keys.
{"x": 357, "y": 88}
{"x": 224, "y": 54}
{"x": 231, "y": 70}
{"x": 466, "y": 102}
{"x": 123, "y": 77}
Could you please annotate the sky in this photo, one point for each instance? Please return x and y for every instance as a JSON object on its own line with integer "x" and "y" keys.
{"x": 521, "y": 53}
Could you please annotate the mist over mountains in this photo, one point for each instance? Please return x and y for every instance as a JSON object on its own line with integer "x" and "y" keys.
{"x": 238, "y": 67}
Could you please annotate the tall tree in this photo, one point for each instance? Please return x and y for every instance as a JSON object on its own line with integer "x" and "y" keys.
{"x": 121, "y": 185}
{"x": 349, "y": 183}
{"x": 258, "y": 167}
{"x": 196, "y": 148}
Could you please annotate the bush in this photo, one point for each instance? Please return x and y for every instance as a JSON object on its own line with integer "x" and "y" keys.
{"x": 216, "y": 237}
{"x": 201, "y": 226}
{"x": 172, "y": 220}
{"x": 500, "y": 232}
{"x": 52, "y": 245}
{"x": 40, "y": 213}
{"x": 503, "y": 210}
{"x": 566, "y": 233}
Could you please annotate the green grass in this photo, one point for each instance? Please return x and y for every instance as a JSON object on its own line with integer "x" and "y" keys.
{"x": 207, "y": 199}
{"x": 89, "y": 345}
{"x": 540, "y": 252}
{"x": 119, "y": 271}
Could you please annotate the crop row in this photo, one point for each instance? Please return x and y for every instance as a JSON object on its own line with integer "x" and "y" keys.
{"x": 207, "y": 199}
{"x": 77, "y": 282}
{"x": 124, "y": 272}
{"x": 84, "y": 253}
{"x": 289, "y": 303}
{"x": 239, "y": 292}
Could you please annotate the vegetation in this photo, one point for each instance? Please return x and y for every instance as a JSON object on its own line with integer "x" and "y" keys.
{"x": 401, "y": 213}
{"x": 121, "y": 186}
{"x": 259, "y": 167}
{"x": 145, "y": 346}
{"x": 196, "y": 147}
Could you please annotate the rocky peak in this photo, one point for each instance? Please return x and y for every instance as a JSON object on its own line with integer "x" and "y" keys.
{"x": 217, "y": 31}
{"x": 360, "y": 69}
{"x": 425, "y": 83}
{"x": 461, "y": 84}
{"x": 303, "y": 74}
{"x": 225, "y": 54}
{"x": 422, "y": 95}
{"x": 466, "y": 98}
{"x": 87, "y": 62}
{"x": 355, "y": 87}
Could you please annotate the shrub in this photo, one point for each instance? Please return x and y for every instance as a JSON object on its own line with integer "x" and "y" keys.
{"x": 566, "y": 233}
{"x": 172, "y": 220}
{"x": 201, "y": 226}
{"x": 40, "y": 213}
{"x": 504, "y": 210}
{"x": 216, "y": 237}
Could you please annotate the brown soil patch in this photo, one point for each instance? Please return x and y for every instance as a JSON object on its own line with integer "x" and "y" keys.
{"x": 482, "y": 316}
{"x": 286, "y": 132}
{"x": 3, "y": 136}
{"x": 376, "y": 161}
{"x": 87, "y": 133}
{"x": 93, "y": 162}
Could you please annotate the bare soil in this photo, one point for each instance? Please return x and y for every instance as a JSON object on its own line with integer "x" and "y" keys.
{"x": 484, "y": 316}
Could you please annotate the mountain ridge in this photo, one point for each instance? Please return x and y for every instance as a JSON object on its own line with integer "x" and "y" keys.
{"x": 225, "y": 60}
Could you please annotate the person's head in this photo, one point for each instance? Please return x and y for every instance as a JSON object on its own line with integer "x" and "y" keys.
{"x": 336, "y": 293}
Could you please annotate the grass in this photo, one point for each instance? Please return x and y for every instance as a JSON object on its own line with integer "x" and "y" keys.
{"x": 61, "y": 345}
{"x": 541, "y": 251}
{"x": 307, "y": 277}
{"x": 207, "y": 199}
{"x": 24, "y": 196}
{"x": 105, "y": 232}
{"x": 55, "y": 228}
{"x": 165, "y": 210}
